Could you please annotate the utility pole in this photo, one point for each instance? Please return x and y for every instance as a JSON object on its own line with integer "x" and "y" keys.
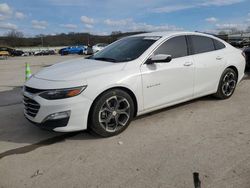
{"x": 42, "y": 40}
{"x": 88, "y": 39}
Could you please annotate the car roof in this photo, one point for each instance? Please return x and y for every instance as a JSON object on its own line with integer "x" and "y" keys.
{"x": 171, "y": 33}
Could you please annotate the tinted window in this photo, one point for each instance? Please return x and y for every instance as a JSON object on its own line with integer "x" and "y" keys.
{"x": 202, "y": 44}
{"x": 218, "y": 45}
{"x": 176, "y": 47}
{"x": 126, "y": 49}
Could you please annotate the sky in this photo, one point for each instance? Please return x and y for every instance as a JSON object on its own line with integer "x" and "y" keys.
{"x": 33, "y": 17}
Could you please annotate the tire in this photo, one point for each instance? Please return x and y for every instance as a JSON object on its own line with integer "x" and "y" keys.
{"x": 80, "y": 52}
{"x": 227, "y": 85}
{"x": 65, "y": 53}
{"x": 111, "y": 113}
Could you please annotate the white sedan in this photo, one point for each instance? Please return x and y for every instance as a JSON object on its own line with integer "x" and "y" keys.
{"x": 131, "y": 77}
{"x": 99, "y": 47}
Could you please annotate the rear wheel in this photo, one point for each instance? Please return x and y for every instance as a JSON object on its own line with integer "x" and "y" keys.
{"x": 111, "y": 113}
{"x": 227, "y": 84}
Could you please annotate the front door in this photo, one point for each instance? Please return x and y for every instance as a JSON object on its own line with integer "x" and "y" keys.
{"x": 168, "y": 83}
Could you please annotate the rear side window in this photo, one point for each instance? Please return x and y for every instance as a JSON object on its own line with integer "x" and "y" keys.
{"x": 218, "y": 45}
{"x": 176, "y": 47}
{"x": 201, "y": 44}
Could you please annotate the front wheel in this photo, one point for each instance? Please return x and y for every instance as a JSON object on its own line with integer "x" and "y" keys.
{"x": 227, "y": 84}
{"x": 111, "y": 113}
{"x": 65, "y": 53}
{"x": 80, "y": 52}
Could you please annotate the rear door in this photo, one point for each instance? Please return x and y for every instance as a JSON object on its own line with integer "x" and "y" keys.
{"x": 209, "y": 64}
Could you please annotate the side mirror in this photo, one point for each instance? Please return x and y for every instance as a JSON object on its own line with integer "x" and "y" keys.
{"x": 159, "y": 58}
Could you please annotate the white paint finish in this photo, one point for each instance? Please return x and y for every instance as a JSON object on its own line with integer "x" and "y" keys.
{"x": 208, "y": 71}
{"x": 164, "y": 83}
{"x": 78, "y": 69}
{"x": 154, "y": 86}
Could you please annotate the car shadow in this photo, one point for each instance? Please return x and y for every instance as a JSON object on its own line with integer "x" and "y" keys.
{"x": 206, "y": 98}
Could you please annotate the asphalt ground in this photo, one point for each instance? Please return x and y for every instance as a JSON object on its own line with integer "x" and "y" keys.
{"x": 160, "y": 149}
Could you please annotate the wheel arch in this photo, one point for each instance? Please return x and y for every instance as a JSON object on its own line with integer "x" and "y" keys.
{"x": 218, "y": 93}
{"x": 127, "y": 90}
{"x": 228, "y": 67}
{"x": 235, "y": 69}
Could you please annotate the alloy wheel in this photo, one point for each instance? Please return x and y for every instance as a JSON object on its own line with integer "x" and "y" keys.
{"x": 229, "y": 83}
{"x": 114, "y": 113}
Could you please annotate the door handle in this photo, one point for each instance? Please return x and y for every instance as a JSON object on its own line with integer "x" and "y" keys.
{"x": 187, "y": 64}
{"x": 219, "y": 58}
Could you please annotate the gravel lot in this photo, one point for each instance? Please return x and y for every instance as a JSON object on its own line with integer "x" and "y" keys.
{"x": 161, "y": 149}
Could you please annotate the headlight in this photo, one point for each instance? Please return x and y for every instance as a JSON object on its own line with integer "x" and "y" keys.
{"x": 62, "y": 93}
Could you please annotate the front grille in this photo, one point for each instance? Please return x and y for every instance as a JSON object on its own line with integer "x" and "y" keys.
{"x": 33, "y": 90}
{"x": 31, "y": 107}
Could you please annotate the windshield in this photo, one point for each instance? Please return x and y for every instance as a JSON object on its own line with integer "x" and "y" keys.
{"x": 126, "y": 49}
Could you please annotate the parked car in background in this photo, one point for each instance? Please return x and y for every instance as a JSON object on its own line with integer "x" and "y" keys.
{"x": 240, "y": 43}
{"x": 245, "y": 42}
{"x": 61, "y": 50}
{"x": 72, "y": 50}
{"x": 26, "y": 54}
{"x": 132, "y": 76}
{"x": 11, "y": 51}
{"x": 99, "y": 47}
{"x": 4, "y": 53}
{"x": 38, "y": 53}
{"x": 89, "y": 50}
{"x": 235, "y": 42}
{"x": 17, "y": 53}
{"x": 44, "y": 52}
{"x": 29, "y": 53}
{"x": 246, "y": 53}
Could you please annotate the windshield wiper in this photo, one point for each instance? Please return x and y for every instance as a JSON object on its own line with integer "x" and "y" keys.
{"x": 105, "y": 59}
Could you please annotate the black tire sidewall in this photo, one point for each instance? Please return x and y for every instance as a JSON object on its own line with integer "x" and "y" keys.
{"x": 94, "y": 112}
{"x": 220, "y": 93}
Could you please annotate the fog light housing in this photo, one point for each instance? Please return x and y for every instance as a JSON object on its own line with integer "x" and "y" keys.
{"x": 58, "y": 115}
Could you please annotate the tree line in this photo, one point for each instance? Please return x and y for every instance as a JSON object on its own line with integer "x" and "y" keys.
{"x": 17, "y": 39}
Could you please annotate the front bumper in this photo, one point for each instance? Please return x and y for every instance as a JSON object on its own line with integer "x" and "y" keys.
{"x": 50, "y": 124}
{"x": 78, "y": 107}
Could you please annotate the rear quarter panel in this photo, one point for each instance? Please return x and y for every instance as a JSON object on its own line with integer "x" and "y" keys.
{"x": 235, "y": 58}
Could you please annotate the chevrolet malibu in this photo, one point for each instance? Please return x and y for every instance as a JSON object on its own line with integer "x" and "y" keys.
{"x": 132, "y": 76}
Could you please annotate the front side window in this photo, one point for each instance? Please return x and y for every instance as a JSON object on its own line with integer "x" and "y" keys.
{"x": 202, "y": 44}
{"x": 126, "y": 49}
{"x": 176, "y": 47}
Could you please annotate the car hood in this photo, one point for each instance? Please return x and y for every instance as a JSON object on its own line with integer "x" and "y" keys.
{"x": 78, "y": 69}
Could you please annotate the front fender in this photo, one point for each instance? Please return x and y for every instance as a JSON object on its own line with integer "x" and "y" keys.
{"x": 130, "y": 81}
